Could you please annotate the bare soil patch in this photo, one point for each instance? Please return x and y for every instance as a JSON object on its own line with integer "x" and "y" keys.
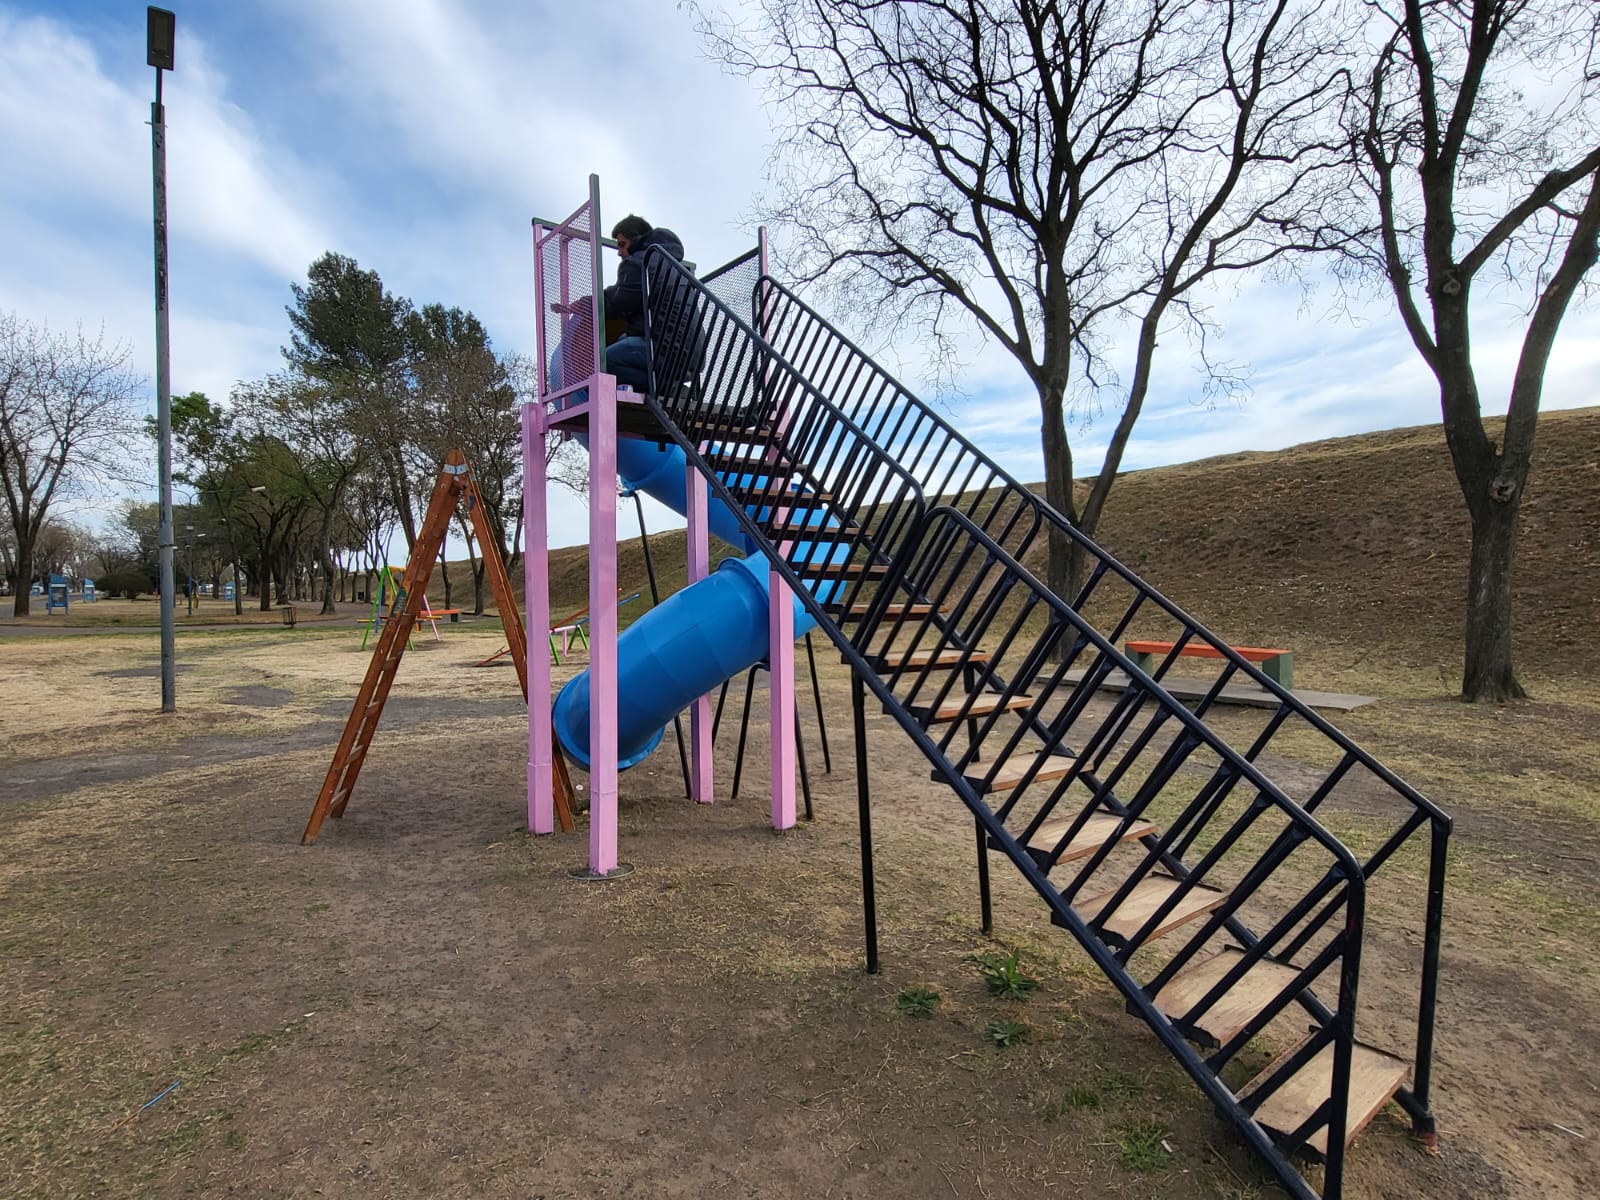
{"x": 424, "y": 1003}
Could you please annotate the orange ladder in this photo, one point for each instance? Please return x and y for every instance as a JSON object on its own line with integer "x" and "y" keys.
{"x": 455, "y": 486}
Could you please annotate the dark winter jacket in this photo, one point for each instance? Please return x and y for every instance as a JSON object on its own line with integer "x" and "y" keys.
{"x": 625, "y": 298}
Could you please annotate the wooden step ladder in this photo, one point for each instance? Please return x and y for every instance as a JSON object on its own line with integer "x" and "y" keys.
{"x": 455, "y": 487}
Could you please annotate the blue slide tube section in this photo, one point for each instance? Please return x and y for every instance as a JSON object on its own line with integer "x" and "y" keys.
{"x": 695, "y": 639}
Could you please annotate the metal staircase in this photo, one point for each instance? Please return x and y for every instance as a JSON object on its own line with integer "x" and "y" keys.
{"x": 1183, "y": 846}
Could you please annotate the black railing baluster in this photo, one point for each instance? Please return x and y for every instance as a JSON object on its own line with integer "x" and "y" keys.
{"x": 907, "y": 490}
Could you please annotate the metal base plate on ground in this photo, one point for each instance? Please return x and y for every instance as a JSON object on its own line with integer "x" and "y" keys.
{"x": 620, "y": 871}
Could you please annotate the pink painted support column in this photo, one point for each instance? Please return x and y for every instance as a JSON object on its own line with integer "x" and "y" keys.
{"x": 536, "y": 592}
{"x": 603, "y": 625}
{"x": 780, "y": 679}
{"x": 699, "y": 539}
{"x": 780, "y": 651}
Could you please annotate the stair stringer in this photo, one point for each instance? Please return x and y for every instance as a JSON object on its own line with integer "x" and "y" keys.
{"x": 742, "y": 390}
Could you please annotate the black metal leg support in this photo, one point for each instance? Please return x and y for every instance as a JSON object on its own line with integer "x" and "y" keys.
{"x": 869, "y": 903}
{"x": 800, "y": 755}
{"x": 744, "y": 728}
{"x": 822, "y": 721}
{"x": 985, "y": 904}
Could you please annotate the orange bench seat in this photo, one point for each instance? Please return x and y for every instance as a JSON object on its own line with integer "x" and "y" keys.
{"x": 1276, "y": 664}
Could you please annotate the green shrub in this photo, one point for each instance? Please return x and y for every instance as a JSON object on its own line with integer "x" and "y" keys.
{"x": 127, "y": 584}
{"x": 1004, "y": 975}
{"x": 917, "y": 1002}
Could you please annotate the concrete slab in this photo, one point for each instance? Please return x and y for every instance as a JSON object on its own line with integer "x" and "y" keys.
{"x": 1253, "y": 697}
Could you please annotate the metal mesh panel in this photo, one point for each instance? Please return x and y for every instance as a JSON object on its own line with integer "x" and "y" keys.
{"x": 564, "y": 260}
{"x": 734, "y": 284}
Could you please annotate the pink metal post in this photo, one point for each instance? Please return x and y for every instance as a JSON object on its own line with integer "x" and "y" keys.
{"x": 603, "y": 625}
{"x": 780, "y": 651}
{"x": 536, "y": 588}
{"x": 700, "y": 763}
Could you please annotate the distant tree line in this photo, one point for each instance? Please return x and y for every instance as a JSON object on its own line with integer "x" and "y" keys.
{"x": 305, "y": 478}
{"x": 301, "y": 484}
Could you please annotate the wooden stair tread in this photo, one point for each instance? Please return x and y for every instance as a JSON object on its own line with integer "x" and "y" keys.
{"x": 965, "y": 707}
{"x": 832, "y": 531}
{"x": 861, "y": 608}
{"x": 1147, "y": 896}
{"x": 1236, "y": 1007}
{"x": 728, "y": 422}
{"x": 893, "y": 660}
{"x": 1375, "y": 1076}
{"x": 1096, "y": 831}
{"x": 1009, "y": 776}
{"x": 841, "y": 570}
{"x": 741, "y": 460}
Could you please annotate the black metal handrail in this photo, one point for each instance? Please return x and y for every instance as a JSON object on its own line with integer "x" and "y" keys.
{"x": 883, "y": 407}
{"x": 883, "y": 479}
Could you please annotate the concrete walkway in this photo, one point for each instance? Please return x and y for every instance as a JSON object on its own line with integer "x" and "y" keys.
{"x": 1245, "y": 694}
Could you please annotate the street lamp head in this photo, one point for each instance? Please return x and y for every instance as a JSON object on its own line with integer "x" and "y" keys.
{"x": 161, "y": 28}
{"x": 260, "y": 487}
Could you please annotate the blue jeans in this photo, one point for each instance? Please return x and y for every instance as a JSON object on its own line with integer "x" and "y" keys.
{"x": 629, "y": 360}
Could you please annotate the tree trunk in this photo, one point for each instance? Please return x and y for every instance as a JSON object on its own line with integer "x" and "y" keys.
{"x": 326, "y": 556}
{"x": 1488, "y": 673}
{"x": 1065, "y": 570}
{"x": 22, "y": 589}
{"x": 476, "y": 565}
{"x": 444, "y": 575}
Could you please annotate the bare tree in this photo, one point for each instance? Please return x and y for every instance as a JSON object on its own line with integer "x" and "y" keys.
{"x": 66, "y": 422}
{"x": 1046, "y": 170}
{"x": 1477, "y": 136}
{"x": 464, "y": 400}
{"x": 320, "y": 426}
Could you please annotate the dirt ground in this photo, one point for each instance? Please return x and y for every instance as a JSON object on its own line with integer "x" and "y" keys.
{"x": 427, "y": 1003}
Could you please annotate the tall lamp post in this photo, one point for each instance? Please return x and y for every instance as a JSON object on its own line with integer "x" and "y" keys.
{"x": 188, "y": 565}
{"x": 160, "y": 33}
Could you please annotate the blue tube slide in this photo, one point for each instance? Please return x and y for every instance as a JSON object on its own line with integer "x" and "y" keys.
{"x": 687, "y": 645}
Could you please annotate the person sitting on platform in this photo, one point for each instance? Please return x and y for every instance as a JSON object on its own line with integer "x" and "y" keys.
{"x": 628, "y": 357}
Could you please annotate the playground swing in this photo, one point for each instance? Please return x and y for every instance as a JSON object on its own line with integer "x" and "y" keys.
{"x": 390, "y": 597}
{"x": 455, "y": 487}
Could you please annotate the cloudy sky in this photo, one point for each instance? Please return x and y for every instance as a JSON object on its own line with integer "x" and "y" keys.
{"x": 421, "y": 136}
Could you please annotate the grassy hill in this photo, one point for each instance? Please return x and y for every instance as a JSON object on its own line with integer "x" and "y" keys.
{"x": 1363, "y": 542}
{"x": 1351, "y": 551}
